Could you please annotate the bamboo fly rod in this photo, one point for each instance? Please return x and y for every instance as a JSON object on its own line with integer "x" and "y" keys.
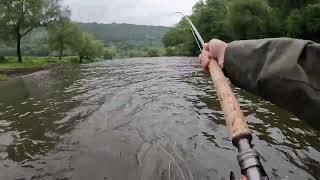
{"x": 248, "y": 158}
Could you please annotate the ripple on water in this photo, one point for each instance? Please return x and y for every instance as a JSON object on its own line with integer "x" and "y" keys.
{"x": 156, "y": 118}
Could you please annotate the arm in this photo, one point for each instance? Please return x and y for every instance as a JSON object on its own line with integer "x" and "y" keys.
{"x": 284, "y": 71}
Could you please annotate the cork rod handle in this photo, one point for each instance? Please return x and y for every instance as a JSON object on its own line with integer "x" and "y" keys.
{"x": 233, "y": 115}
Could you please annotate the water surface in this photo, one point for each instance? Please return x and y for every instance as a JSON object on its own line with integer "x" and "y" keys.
{"x": 143, "y": 118}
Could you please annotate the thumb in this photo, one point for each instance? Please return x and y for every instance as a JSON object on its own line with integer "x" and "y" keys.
{"x": 217, "y": 49}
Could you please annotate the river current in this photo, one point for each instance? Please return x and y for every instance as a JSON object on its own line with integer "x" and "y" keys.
{"x": 140, "y": 118}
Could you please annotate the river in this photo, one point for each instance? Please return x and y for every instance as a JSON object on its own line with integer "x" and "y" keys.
{"x": 141, "y": 118}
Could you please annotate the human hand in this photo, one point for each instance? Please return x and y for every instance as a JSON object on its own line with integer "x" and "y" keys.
{"x": 215, "y": 50}
{"x": 243, "y": 178}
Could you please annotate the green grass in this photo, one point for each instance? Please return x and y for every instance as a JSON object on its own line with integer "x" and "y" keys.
{"x": 3, "y": 77}
{"x": 34, "y": 62}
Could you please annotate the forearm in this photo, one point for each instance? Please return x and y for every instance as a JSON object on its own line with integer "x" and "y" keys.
{"x": 284, "y": 71}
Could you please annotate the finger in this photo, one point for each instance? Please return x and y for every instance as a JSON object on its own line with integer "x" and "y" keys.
{"x": 243, "y": 178}
{"x": 205, "y": 55}
{"x": 221, "y": 64}
{"x": 213, "y": 48}
{"x": 214, "y": 40}
{"x": 206, "y": 47}
{"x": 205, "y": 63}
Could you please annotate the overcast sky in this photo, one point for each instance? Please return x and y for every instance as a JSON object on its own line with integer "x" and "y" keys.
{"x": 147, "y": 12}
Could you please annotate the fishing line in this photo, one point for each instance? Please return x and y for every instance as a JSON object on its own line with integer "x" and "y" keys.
{"x": 194, "y": 35}
{"x": 199, "y": 41}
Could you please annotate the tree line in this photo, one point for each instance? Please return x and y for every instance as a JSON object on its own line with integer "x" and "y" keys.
{"x": 245, "y": 19}
{"x": 18, "y": 18}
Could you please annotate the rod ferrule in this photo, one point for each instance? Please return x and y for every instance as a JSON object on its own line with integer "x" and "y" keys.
{"x": 249, "y": 159}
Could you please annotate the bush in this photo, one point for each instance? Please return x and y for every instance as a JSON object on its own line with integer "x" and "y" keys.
{"x": 108, "y": 53}
{"x": 74, "y": 59}
{"x": 71, "y": 59}
{"x": 247, "y": 18}
{"x": 171, "y": 51}
{"x": 3, "y": 59}
{"x": 153, "y": 52}
{"x": 312, "y": 15}
{"x": 295, "y": 23}
{"x": 3, "y": 77}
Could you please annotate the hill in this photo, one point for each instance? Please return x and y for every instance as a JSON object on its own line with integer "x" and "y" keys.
{"x": 125, "y": 32}
{"x": 128, "y": 39}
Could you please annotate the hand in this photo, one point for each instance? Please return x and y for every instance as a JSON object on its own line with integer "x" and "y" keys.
{"x": 243, "y": 178}
{"x": 215, "y": 50}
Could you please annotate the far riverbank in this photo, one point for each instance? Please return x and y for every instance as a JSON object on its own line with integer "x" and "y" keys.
{"x": 11, "y": 68}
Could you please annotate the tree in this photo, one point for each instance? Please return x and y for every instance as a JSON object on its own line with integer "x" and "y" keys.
{"x": 214, "y": 14}
{"x": 312, "y": 16}
{"x": 153, "y": 52}
{"x": 62, "y": 35}
{"x": 181, "y": 39}
{"x": 87, "y": 47}
{"x": 286, "y": 6}
{"x": 304, "y": 23}
{"x": 295, "y": 24}
{"x": 20, "y": 17}
{"x": 174, "y": 36}
{"x": 246, "y": 19}
{"x": 108, "y": 53}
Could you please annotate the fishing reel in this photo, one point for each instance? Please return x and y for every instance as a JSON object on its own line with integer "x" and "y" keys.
{"x": 249, "y": 161}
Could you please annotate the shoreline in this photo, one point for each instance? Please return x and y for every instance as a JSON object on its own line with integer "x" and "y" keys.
{"x": 20, "y": 71}
{"x": 10, "y": 68}
{"x": 7, "y": 74}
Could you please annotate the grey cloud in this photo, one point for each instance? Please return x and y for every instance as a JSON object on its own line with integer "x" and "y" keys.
{"x": 149, "y": 12}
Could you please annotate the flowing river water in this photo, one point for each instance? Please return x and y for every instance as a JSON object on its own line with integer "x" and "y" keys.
{"x": 142, "y": 118}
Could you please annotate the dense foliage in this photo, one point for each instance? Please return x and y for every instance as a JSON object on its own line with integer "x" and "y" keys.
{"x": 127, "y": 39}
{"x": 245, "y": 19}
{"x": 67, "y": 35}
{"x": 43, "y": 27}
{"x": 19, "y": 17}
{"x": 87, "y": 47}
{"x": 62, "y": 35}
{"x": 125, "y": 32}
{"x": 120, "y": 40}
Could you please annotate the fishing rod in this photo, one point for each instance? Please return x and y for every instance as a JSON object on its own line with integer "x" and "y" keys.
{"x": 248, "y": 158}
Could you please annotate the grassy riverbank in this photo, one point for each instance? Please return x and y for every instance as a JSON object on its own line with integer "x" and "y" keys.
{"x": 9, "y": 66}
{"x": 32, "y": 62}
{"x": 3, "y": 77}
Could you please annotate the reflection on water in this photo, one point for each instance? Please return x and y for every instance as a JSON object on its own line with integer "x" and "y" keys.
{"x": 155, "y": 118}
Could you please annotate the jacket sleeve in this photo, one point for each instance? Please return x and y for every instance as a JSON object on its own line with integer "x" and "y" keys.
{"x": 284, "y": 71}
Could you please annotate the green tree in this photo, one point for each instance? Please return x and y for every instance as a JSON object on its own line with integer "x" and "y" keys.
{"x": 171, "y": 51}
{"x": 153, "y": 52}
{"x": 286, "y": 6}
{"x": 87, "y": 47}
{"x": 246, "y": 18}
{"x": 304, "y": 23}
{"x": 295, "y": 24}
{"x": 20, "y": 17}
{"x": 181, "y": 39}
{"x": 174, "y": 36}
{"x": 108, "y": 53}
{"x": 62, "y": 35}
{"x": 214, "y": 14}
{"x": 312, "y": 20}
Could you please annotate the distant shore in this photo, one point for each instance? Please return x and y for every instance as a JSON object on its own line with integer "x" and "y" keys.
{"x": 10, "y": 68}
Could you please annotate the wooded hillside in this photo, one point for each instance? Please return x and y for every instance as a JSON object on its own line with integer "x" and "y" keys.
{"x": 127, "y": 39}
{"x": 230, "y": 20}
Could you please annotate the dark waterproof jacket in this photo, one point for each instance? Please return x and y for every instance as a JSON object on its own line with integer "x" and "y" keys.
{"x": 284, "y": 71}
